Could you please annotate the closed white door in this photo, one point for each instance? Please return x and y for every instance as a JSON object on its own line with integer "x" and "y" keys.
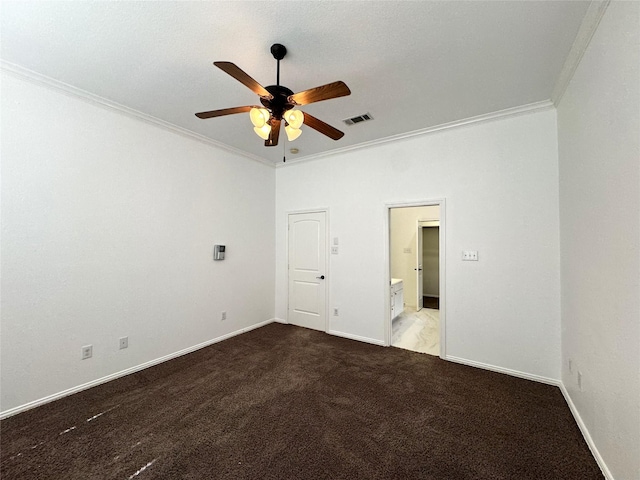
{"x": 307, "y": 270}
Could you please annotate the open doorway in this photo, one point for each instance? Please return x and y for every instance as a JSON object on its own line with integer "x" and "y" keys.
{"x": 416, "y": 277}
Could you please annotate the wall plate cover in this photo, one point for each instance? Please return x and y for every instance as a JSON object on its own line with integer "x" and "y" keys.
{"x": 470, "y": 255}
{"x": 219, "y": 252}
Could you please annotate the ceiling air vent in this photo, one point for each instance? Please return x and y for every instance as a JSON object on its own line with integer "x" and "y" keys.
{"x": 360, "y": 118}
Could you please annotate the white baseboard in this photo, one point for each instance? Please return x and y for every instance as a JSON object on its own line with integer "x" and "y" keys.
{"x": 585, "y": 433}
{"x": 356, "y": 337}
{"x": 508, "y": 371}
{"x": 279, "y": 320}
{"x": 128, "y": 371}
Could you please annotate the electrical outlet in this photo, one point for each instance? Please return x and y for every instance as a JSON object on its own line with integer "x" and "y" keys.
{"x": 223, "y": 316}
{"x": 407, "y": 250}
{"x": 334, "y": 250}
{"x": 124, "y": 342}
{"x": 579, "y": 380}
{"x": 335, "y": 312}
{"x": 87, "y": 352}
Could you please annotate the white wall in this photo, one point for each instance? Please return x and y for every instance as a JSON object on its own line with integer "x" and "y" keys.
{"x": 403, "y": 224}
{"x": 599, "y": 156}
{"x": 500, "y": 181}
{"x": 108, "y": 227}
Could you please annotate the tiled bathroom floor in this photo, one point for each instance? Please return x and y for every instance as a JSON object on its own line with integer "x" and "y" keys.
{"x": 417, "y": 331}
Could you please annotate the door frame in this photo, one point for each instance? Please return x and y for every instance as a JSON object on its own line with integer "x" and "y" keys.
{"x": 441, "y": 202}
{"x": 327, "y": 275}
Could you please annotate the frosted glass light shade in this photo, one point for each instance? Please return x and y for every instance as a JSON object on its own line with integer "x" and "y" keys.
{"x": 264, "y": 131}
{"x": 294, "y": 118}
{"x": 292, "y": 133}
{"x": 259, "y": 117}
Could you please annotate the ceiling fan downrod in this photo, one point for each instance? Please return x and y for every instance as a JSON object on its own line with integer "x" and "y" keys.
{"x": 279, "y": 103}
{"x": 278, "y": 51}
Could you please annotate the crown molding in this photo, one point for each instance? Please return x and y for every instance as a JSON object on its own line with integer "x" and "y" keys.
{"x": 93, "y": 99}
{"x": 486, "y": 117}
{"x": 588, "y": 27}
{"x": 75, "y": 92}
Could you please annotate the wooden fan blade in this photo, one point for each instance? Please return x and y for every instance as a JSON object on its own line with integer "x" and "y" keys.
{"x": 272, "y": 141}
{"x": 322, "y": 127}
{"x": 243, "y": 78}
{"x": 324, "y": 92}
{"x": 224, "y": 111}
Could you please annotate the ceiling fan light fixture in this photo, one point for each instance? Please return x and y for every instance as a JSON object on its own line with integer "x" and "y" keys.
{"x": 263, "y": 132}
{"x": 259, "y": 117}
{"x": 292, "y": 133}
{"x": 295, "y": 118}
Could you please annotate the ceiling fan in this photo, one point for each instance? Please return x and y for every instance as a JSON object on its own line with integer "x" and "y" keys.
{"x": 279, "y": 102}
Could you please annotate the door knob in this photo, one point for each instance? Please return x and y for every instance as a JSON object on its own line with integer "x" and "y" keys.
{"x": 321, "y": 277}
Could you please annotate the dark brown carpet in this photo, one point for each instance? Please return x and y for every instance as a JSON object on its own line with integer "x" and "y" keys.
{"x": 283, "y": 402}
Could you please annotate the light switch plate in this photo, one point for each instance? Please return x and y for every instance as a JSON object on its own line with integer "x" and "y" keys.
{"x": 87, "y": 352}
{"x": 470, "y": 255}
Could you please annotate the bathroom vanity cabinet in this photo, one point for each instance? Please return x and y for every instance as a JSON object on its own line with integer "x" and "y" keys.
{"x": 397, "y": 297}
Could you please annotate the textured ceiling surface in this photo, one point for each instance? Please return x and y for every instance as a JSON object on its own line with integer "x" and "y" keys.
{"x": 411, "y": 65}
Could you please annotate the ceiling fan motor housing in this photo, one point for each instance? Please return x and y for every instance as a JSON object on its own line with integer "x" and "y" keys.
{"x": 280, "y": 102}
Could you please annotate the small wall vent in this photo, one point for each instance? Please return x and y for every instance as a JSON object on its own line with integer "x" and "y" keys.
{"x": 360, "y": 118}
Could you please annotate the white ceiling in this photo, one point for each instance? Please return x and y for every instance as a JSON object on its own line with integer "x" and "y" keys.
{"x": 411, "y": 64}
